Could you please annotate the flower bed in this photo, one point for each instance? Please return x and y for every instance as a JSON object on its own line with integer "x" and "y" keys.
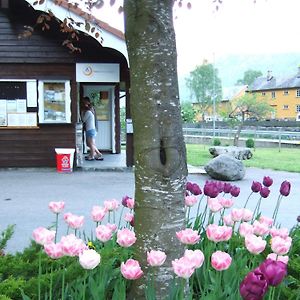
{"x": 231, "y": 253}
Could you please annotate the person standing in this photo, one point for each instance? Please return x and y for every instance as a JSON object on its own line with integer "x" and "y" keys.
{"x": 88, "y": 117}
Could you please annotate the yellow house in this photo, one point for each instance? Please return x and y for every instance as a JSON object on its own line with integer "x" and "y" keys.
{"x": 283, "y": 94}
{"x": 225, "y": 106}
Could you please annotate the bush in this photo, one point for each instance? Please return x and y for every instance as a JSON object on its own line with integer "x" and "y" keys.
{"x": 250, "y": 143}
{"x": 216, "y": 142}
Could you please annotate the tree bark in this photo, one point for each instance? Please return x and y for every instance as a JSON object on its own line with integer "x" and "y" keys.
{"x": 159, "y": 149}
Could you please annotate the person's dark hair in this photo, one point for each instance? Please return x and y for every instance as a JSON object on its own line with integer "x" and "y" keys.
{"x": 87, "y": 99}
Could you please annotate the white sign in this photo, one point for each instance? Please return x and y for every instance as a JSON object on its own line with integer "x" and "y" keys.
{"x": 97, "y": 73}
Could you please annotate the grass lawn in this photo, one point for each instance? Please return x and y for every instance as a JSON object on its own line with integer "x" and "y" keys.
{"x": 266, "y": 158}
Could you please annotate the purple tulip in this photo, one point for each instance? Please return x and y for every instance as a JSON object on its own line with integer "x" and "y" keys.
{"x": 189, "y": 186}
{"x": 256, "y": 186}
{"x": 254, "y": 286}
{"x": 267, "y": 181}
{"x": 264, "y": 192}
{"x": 227, "y": 187}
{"x": 235, "y": 191}
{"x": 124, "y": 200}
{"x": 196, "y": 189}
{"x": 298, "y": 219}
{"x": 274, "y": 271}
{"x": 210, "y": 189}
{"x": 285, "y": 188}
{"x": 220, "y": 186}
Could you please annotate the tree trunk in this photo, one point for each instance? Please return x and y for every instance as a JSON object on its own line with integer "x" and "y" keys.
{"x": 159, "y": 149}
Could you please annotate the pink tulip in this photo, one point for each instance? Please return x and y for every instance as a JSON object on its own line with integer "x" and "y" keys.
{"x": 245, "y": 229}
{"x": 255, "y": 244}
{"x": 130, "y": 203}
{"x": 217, "y": 233}
{"x": 66, "y": 216}
{"x": 282, "y": 258}
{"x": 281, "y": 246}
{"x": 190, "y": 200}
{"x": 260, "y": 228}
{"x": 131, "y": 269}
{"x": 103, "y": 233}
{"x": 54, "y": 251}
{"x": 113, "y": 227}
{"x": 228, "y": 220}
{"x": 196, "y": 257}
{"x": 220, "y": 260}
{"x": 126, "y": 238}
{"x": 214, "y": 205}
{"x": 183, "y": 267}
{"x": 98, "y": 213}
{"x": 156, "y": 258}
{"x": 56, "y": 207}
{"x": 128, "y": 217}
{"x": 71, "y": 245}
{"x": 74, "y": 221}
{"x": 247, "y": 215}
{"x": 266, "y": 220}
{"x": 282, "y": 232}
{"x": 89, "y": 259}
{"x": 226, "y": 202}
{"x": 111, "y": 205}
{"x": 237, "y": 214}
{"x": 43, "y": 236}
{"x": 188, "y": 236}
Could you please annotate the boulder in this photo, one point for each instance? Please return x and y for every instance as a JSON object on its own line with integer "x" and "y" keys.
{"x": 240, "y": 153}
{"x": 225, "y": 167}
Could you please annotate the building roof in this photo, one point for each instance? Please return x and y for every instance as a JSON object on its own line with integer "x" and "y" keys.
{"x": 105, "y": 34}
{"x": 272, "y": 83}
{"x": 89, "y": 17}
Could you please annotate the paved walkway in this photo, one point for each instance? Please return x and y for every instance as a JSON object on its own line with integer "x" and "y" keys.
{"x": 25, "y": 194}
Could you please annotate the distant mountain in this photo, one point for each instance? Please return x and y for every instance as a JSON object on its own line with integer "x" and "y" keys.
{"x": 232, "y": 67}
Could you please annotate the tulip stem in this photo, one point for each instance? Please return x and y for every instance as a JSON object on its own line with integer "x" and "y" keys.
{"x": 198, "y": 208}
{"x": 40, "y": 274}
{"x": 248, "y": 200}
{"x": 56, "y": 227}
{"x": 276, "y": 209}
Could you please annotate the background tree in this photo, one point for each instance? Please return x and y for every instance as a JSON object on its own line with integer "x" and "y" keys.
{"x": 245, "y": 107}
{"x": 188, "y": 113}
{"x": 249, "y": 77}
{"x": 204, "y": 84}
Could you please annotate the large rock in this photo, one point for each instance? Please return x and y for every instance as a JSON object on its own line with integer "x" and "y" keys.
{"x": 236, "y": 152}
{"x": 225, "y": 167}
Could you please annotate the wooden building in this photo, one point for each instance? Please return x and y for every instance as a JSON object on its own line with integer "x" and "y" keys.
{"x": 41, "y": 83}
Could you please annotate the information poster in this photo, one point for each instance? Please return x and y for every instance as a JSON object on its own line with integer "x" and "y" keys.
{"x": 11, "y": 106}
{"x": 3, "y": 114}
{"x": 21, "y": 105}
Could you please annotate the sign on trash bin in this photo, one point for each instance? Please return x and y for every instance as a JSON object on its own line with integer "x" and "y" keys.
{"x": 64, "y": 159}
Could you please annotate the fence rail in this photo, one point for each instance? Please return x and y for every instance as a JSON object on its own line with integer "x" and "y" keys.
{"x": 248, "y": 133}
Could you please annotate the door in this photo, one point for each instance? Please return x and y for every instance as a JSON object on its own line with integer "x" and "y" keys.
{"x": 103, "y": 99}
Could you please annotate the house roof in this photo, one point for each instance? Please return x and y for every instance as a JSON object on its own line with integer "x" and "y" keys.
{"x": 107, "y": 36}
{"x": 89, "y": 17}
{"x": 273, "y": 83}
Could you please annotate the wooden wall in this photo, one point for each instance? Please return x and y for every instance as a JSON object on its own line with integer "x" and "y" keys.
{"x": 43, "y": 57}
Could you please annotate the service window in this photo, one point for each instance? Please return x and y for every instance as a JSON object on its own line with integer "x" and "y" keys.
{"x": 54, "y": 101}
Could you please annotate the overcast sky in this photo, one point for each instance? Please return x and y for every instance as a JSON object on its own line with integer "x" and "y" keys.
{"x": 239, "y": 26}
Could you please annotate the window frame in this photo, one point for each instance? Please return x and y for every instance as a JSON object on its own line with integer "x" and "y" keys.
{"x": 67, "y": 99}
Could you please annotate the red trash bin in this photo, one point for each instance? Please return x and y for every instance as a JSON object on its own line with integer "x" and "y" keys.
{"x": 64, "y": 160}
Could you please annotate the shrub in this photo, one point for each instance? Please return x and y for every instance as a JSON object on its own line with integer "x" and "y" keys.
{"x": 216, "y": 142}
{"x": 250, "y": 143}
